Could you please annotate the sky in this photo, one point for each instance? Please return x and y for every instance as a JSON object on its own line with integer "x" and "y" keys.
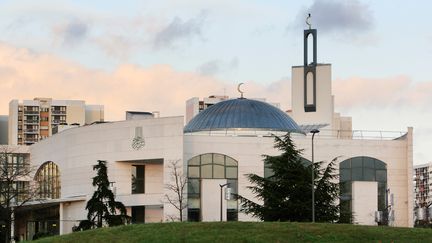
{"x": 154, "y": 55}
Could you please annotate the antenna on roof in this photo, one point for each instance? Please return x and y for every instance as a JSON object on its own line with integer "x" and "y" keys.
{"x": 308, "y": 21}
{"x": 239, "y": 90}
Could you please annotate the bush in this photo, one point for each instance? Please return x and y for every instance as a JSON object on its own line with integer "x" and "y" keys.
{"x": 83, "y": 225}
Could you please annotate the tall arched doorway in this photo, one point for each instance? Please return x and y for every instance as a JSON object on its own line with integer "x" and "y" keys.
{"x": 205, "y": 172}
{"x": 48, "y": 179}
{"x": 361, "y": 169}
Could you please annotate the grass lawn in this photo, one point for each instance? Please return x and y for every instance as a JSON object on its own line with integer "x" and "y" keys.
{"x": 246, "y": 232}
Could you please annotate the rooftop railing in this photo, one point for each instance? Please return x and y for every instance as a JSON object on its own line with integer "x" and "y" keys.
{"x": 324, "y": 133}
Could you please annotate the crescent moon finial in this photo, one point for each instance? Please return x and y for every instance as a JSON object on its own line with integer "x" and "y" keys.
{"x": 239, "y": 90}
{"x": 308, "y": 21}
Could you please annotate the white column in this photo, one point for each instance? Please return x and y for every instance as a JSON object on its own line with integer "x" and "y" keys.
{"x": 61, "y": 219}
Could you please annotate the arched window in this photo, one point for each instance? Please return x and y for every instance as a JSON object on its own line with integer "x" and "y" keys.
{"x": 211, "y": 166}
{"x": 362, "y": 169}
{"x": 48, "y": 178}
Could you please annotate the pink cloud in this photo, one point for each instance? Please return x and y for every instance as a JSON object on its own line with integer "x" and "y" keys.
{"x": 381, "y": 92}
{"x": 26, "y": 75}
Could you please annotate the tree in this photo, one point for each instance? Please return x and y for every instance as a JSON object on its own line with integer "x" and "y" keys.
{"x": 285, "y": 191}
{"x": 177, "y": 187}
{"x": 102, "y": 207}
{"x": 16, "y": 187}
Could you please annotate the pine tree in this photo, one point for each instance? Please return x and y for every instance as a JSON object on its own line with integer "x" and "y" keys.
{"x": 286, "y": 193}
{"x": 102, "y": 206}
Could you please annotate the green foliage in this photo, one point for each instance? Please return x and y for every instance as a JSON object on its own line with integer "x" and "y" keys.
{"x": 40, "y": 235}
{"x": 246, "y": 232}
{"x": 102, "y": 206}
{"x": 286, "y": 193}
{"x": 83, "y": 225}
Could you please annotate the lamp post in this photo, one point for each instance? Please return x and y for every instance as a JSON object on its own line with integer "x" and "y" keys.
{"x": 221, "y": 198}
{"x": 314, "y": 131}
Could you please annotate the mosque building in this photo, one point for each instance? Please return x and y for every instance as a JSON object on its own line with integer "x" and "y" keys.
{"x": 219, "y": 145}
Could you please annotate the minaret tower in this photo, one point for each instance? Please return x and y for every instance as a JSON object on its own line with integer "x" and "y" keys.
{"x": 309, "y": 68}
{"x": 312, "y": 101}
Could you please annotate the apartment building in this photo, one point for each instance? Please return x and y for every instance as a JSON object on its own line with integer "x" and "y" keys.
{"x": 34, "y": 120}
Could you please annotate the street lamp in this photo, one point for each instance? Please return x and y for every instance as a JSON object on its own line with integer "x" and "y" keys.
{"x": 221, "y": 198}
{"x": 314, "y": 131}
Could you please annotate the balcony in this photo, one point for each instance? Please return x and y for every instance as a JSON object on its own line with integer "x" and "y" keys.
{"x": 30, "y": 140}
{"x": 58, "y": 112}
{"x": 31, "y": 131}
{"x": 56, "y": 121}
{"x": 31, "y": 112}
{"x": 31, "y": 121}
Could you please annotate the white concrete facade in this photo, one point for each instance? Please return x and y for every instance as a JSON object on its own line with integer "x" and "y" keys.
{"x": 76, "y": 150}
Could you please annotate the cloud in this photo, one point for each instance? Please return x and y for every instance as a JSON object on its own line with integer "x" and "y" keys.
{"x": 72, "y": 32}
{"x": 214, "y": 67}
{"x": 337, "y": 16}
{"x": 392, "y": 92}
{"x": 179, "y": 30}
{"x": 26, "y": 75}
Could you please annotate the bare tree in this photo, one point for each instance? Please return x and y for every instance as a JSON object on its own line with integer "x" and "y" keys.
{"x": 16, "y": 186}
{"x": 177, "y": 187}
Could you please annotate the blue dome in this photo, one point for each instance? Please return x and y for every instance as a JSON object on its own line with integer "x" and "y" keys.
{"x": 244, "y": 114}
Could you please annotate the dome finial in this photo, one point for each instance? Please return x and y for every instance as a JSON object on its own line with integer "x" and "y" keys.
{"x": 239, "y": 90}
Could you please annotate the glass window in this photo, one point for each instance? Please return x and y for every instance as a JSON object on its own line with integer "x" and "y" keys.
{"x": 206, "y": 171}
{"x": 48, "y": 178}
{"x": 361, "y": 169}
{"x": 233, "y": 186}
{"x": 138, "y": 182}
{"x": 193, "y": 186}
{"x": 194, "y": 171}
{"x": 193, "y": 214}
{"x": 219, "y": 159}
{"x": 357, "y": 162}
{"x": 345, "y": 164}
{"x": 219, "y": 171}
{"x": 194, "y": 203}
{"x": 380, "y": 165}
{"x": 345, "y": 175}
{"x": 268, "y": 172}
{"x": 357, "y": 174}
{"x": 368, "y": 174}
{"x": 138, "y": 214}
{"x": 381, "y": 175}
{"x": 194, "y": 161}
{"x": 209, "y": 166}
{"x": 230, "y": 162}
{"x": 231, "y": 172}
{"x": 369, "y": 163}
{"x": 206, "y": 159}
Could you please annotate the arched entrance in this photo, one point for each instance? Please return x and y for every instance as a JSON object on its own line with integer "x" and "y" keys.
{"x": 361, "y": 169}
{"x": 205, "y": 173}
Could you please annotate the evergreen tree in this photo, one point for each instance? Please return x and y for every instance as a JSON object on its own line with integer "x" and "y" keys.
{"x": 286, "y": 192}
{"x": 102, "y": 206}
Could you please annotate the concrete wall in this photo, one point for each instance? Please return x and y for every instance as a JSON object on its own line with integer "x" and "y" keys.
{"x": 364, "y": 201}
{"x": 248, "y": 150}
{"x": 13, "y": 123}
{"x": 324, "y": 99}
{"x": 76, "y": 150}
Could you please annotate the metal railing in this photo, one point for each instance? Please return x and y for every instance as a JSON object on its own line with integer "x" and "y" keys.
{"x": 31, "y": 121}
{"x": 31, "y": 112}
{"x": 324, "y": 133}
{"x": 58, "y": 112}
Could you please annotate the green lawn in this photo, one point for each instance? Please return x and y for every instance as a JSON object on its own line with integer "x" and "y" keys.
{"x": 246, "y": 232}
